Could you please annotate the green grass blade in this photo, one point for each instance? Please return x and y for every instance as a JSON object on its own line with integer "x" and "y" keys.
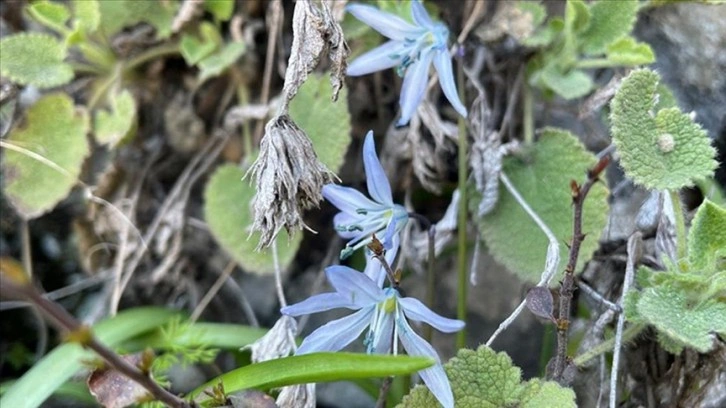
{"x": 36, "y": 385}
{"x": 316, "y": 367}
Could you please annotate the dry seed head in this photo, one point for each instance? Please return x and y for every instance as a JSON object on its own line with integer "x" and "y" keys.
{"x": 289, "y": 179}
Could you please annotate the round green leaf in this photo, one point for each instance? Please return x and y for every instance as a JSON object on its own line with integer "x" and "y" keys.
{"x": 117, "y": 14}
{"x": 326, "y": 123}
{"x": 486, "y": 379}
{"x": 663, "y": 149}
{"x": 707, "y": 238}
{"x": 51, "y": 15}
{"x": 218, "y": 62}
{"x": 34, "y": 59}
{"x": 227, "y": 210}
{"x": 675, "y": 315}
{"x": 110, "y": 127}
{"x": 544, "y": 181}
{"x": 55, "y": 131}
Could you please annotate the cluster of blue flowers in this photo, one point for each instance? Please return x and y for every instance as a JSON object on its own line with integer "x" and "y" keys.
{"x": 380, "y": 309}
{"x": 411, "y": 50}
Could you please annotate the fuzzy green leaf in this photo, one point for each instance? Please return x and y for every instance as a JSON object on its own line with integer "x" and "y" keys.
{"x": 51, "y": 15}
{"x": 220, "y": 9}
{"x": 194, "y": 48}
{"x": 544, "y": 182}
{"x": 707, "y": 238}
{"x": 87, "y": 15}
{"x": 34, "y": 59}
{"x": 577, "y": 16}
{"x": 544, "y": 35}
{"x": 479, "y": 379}
{"x": 663, "y": 150}
{"x": 55, "y": 130}
{"x": 117, "y": 14}
{"x": 681, "y": 319}
{"x": 327, "y": 123}
{"x": 546, "y": 394}
{"x": 610, "y": 20}
{"x": 110, "y": 127}
{"x": 487, "y": 379}
{"x": 218, "y": 62}
{"x": 570, "y": 85}
{"x": 227, "y": 210}
{"x": 628, "y": 52}
{"x": 535, "y": 9}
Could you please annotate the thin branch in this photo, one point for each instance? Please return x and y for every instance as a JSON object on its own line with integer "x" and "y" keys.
{"x": 212, "y": 292}
{"x": 552, "y": 260}
{"x": 585, "y": 288}
{"x": 276, "y": 17}
{"x": 58, "y": 293}
{"x": 278, "y": 274}
{"x": 634, "y": 253}
{"x": 579, "y": 194}
{"x": 64, "y": 321}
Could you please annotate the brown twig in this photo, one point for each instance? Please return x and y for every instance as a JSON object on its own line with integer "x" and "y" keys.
{"x": 579, "y": 193}
{"x": 275, "y": 14}
{"x": 64, "y": 321}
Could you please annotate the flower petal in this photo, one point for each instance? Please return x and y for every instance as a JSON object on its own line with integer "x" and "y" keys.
{"x": 382, "y": 57}
{"x": 337, "y": 334}
{"x": 388, "y": 24}
{"x": 355, "y": 287}
{"x": 414, "y": 87}
{"x": 417, "y": 311}
{"x": 390, "y": 235}
{"x": 318, "y": 303}
{"x": 420, "y": 15}
{"x": 347, "y": 199}
{"x": 442, "y": 62}
{"x": 378, "y": 186}
{"x": 383, "y": 338}
{"x": 434, "y": 377}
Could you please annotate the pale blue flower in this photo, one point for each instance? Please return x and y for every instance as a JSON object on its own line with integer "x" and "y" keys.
{"x": 411, "y": 49}
{"x": 385, "y": 313}
{"x": 361, "y": 217}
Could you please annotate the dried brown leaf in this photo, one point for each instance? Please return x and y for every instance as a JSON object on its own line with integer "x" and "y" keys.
{"x": 315, "y": 35}
{"x": 289, "y": 179}
{"x": 113, "y": 389}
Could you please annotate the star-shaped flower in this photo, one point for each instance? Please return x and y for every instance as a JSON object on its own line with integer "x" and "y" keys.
{"x": 361, "y": 217}
{"x": 385, "y": 313}
{"x": 411, "y": 49}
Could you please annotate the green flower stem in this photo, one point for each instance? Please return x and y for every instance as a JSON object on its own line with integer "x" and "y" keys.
{"x": 152, "y": 54}
{"x": 597, "y": 63}
{"x": 462, "y": 242}
{"x": 528, "y": 113}
{"x": 103, "y": 85}
{"x": 607, "y": 345}
{"x": 680, "y": 224}
{"x": 81, "y": 68}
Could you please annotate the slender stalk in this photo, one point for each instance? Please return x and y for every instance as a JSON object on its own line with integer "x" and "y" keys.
{"x": 628, "y": 334}
{"x": 151, "y": 54}
{"x": 680, "y": 224}
{"x": 528, "y": 113}
{"x": 579, "y": 194}
{"x": 430, "y": 280}
{"x": 64, "y": 321}
{"x": 430, "y": 277}
{"x": 635, "y": 251}
{"x": 462, "y": 241}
